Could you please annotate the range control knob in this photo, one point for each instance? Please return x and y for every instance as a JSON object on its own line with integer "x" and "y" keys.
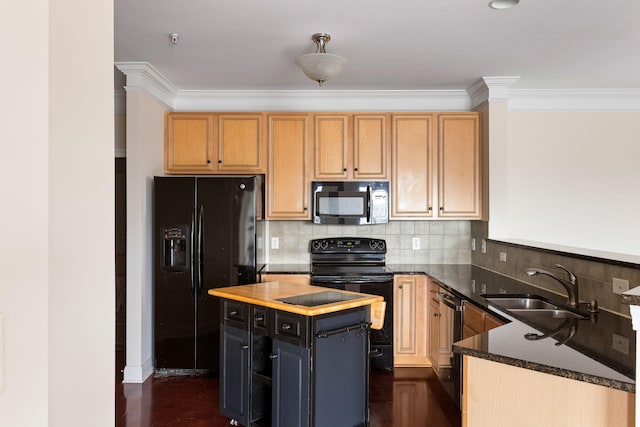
{"x": 325, "y": 244}
{"x": 315, "y": 245}
{"x": 373, "y": 244}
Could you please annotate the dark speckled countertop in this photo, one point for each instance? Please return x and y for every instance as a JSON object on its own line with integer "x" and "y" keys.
{"x": 587, "y": 356}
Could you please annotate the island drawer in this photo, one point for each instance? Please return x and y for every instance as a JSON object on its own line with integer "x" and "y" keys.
{"x": 235, "y": 314}
{"x": 260, "y": 320}
{"x": 291, "y": 328}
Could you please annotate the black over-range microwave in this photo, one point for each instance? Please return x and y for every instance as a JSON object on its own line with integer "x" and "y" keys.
{"x": 350, "y": 202}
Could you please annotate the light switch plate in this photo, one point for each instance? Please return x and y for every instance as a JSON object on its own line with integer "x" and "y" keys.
{"x": 275, "y": 243}
{"x": 620, "y": 286}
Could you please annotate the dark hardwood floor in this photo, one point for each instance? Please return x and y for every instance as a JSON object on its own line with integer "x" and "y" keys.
{"x": 404, "y": 397}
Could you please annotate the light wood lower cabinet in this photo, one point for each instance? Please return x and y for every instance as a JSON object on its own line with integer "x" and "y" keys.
{"x": 298, "y": 279}
{"x": 475, "y": 320}
{"x": 440, "y": 331}
{"x": 410, "y": 327}
{"x": 499, "y": 395}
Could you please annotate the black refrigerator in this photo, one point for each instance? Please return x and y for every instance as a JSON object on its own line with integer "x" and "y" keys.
{"x": 204, "y": 237}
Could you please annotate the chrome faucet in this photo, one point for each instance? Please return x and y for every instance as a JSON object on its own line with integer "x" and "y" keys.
{"x": 570, "y": 285}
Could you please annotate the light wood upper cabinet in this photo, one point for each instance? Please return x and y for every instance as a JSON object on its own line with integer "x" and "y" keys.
{"x": 188, "y": 147}
{"x": 412, "y": 166}
{"x": 459, "y": 166}
{"x": 288, "y": 183}
{"x": 410, "y": 325}
{"x": 210, "y": 143}
{"x": 331, "y": 146}
{"x": 436, "y": 166}
{"x": 370, "y": 146}
{"x": 241, "y": 146}
{"x": 351, "y": 146}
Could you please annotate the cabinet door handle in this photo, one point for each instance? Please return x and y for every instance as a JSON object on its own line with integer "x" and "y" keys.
{"x": 441, "y": 208}
{"x": 285, "y": 327}
{"x": 344, "y": 169}
{"x": 219, "y": 161}
{"x": 245, "y": 347}
{"x": 436, "y": 314}
{"x": 355, "y": 169}
{"x": 234, "y": 313}
{"x": 208, "y": 161}
{"x": 430, "y": 208}
{"x": 273, "y": 356}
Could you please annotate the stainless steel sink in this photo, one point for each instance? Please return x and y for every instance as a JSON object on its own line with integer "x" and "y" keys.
{"x": 521, "y": 303}
{"x": 543, "y": 312}
{"x": 532, "y": 306}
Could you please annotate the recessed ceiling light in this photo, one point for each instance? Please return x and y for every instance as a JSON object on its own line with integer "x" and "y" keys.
{"x": 503, "y": 4}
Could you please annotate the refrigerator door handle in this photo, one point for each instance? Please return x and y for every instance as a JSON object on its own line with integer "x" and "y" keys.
{"x": 200, "y": 260}
{"x": 193, "y": 265}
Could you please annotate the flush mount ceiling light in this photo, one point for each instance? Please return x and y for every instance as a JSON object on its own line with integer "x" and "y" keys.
{"x": 320, "y": 66}
{"x": 503, "y": 4}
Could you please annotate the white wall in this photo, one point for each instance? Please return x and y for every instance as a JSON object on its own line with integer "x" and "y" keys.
{"x": 56, "y": 185}
{"x": 573, "y": 180}
{"x": 145, "y": 159}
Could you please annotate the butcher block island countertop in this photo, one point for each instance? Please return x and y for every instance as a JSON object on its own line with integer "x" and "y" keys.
{"x": 275, "y": 294}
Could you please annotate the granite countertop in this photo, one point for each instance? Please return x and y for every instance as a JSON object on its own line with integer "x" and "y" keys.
{"x": 587, "y": 356}
{"x": 285, "y": 269}
{"x": 270, "y": 294}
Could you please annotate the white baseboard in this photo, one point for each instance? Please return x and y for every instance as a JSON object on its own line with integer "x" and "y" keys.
{"x": 138, "y": 374}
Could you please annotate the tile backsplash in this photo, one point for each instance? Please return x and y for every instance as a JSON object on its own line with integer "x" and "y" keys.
{"x": 441, "y": 242}
{"x": 595, "y": 278}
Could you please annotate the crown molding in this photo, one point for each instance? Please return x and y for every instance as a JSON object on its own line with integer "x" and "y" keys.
{"x": 575, "y": 100}
{"x": 143, "y": 76}
{"x": 315, "y": 100}
{"x": 490, "y": 89}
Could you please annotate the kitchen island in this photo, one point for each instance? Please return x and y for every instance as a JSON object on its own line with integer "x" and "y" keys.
{"x": 295, "y": 355}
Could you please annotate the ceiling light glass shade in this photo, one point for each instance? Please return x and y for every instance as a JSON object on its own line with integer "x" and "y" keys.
{"x": 321, "y": 66}
{"x": 503, "y": 4}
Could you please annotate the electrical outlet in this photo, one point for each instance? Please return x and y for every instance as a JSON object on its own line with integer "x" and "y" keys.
{"x": 620, "y": 344}
{"x": 473, "y": 286}
{"x": 415, "y": 243}
{"x": 503, "y": 256}
{"x": 484, "y": 246}
{"x": 473, "y": 244}
{"x": 620, "y": 286}
{"x": 275, "y": 243}
{"x": 502, "y": 291}
{"x": 484, "y": 288}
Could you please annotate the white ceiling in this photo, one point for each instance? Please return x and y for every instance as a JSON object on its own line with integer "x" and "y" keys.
{"x": 392, "y": 45}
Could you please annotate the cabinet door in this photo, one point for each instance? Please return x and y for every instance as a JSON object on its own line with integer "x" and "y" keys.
{"x": 412, "y": 166}
{"x": 234, "y": 374}
{"x": 410, "y": 321}
{"x": 288, "y": 177}
{"x": 370, "y": 146}
{"x": 459, "y": 166}
{"x": 241, "y": 146}
{"x": 188, "y": 143}
{"x": 331, "y": 146}
{"x": 434, "y": 332}
{"x": 290, "y": 388}
{"x": 472, "y": 320}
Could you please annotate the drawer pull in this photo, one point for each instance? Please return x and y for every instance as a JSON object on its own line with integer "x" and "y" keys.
{"x": 285, "y": 327}
{"x": 259, "y": 318}
{"x": 273, "y": 356}
{"x": 234, "y": 312}
{"x": 245, "y": 347}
